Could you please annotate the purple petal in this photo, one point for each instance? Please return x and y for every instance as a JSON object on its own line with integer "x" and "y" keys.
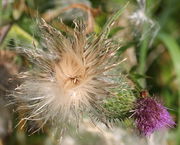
{"x": 151, "y": 116}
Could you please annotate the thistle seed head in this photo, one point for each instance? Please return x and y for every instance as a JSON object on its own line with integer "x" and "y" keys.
{"x": 71, "y": 74}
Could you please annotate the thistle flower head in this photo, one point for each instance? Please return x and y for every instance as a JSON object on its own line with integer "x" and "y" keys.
{"x": 151, "y": 116}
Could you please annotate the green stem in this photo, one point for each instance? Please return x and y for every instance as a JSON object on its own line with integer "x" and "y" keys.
{"x": 142, "y": 61}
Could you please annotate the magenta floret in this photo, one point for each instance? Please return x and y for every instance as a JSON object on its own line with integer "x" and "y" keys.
{"x": 151, "y": 116}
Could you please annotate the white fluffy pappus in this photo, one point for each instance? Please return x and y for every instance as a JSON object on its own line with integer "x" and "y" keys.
{"x": 72, "y": 74}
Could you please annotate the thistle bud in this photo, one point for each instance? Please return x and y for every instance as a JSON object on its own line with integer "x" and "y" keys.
{"x": 119, "y": 107}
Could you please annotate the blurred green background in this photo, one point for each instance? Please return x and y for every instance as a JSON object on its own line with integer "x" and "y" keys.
{"x": 149, "y": 31}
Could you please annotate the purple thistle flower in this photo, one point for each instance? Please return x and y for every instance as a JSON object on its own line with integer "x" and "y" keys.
{"x": 151, "y": 116}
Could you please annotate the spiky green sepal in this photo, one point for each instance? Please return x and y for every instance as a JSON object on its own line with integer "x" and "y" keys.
{"x": 119, "y": 107}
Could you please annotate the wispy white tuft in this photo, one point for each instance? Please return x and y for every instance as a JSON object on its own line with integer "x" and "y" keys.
{"x": 143, "y": 23}
{"x": 71, "y": 75}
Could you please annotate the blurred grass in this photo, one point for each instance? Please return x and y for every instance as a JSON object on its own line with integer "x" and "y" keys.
{"x": 174, "y": 50}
